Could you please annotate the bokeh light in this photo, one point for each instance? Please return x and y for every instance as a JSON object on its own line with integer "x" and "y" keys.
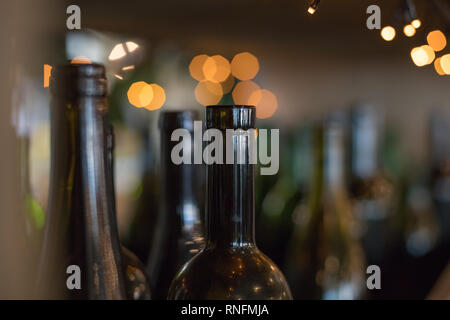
{"x": 422, "y": 55}
{"x": 416, "y": 23}
{"x": 445, "y": 63}
{"x": 266, "y": 103}
{"x": 409, "y": 30}
{"x": 159, "y": 97}
{"x": 223, "y": 68}
{"x": 131, "y": 46}
{"x": 196, "y": 67}
{"x": 117, "y": 52}
{"x": 209, "y": 69}
{"x": 438, "y": 67}
{"x": 81, "y": 60}
{"x": 437, "y": 40}
{"x": 243, "y": 90}
{"x": 388, "y": 33}
{"x": 47, "y": 73}
{"x": 208, "y": 92}
{"x": 244, "y": 66}
{"x": 140, "y": 94}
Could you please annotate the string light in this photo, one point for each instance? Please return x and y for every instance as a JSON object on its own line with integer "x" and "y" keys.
{"x": 422, "y": 55}
{"x": 416, "y": 23}
{"x": 438, "y": 67}
{"x": 409, "y": 30}
{"x": 436, "y": 39}
{"x": 388, "y": 33}
{"x": 445, "y": 63}
{"x": 313, "y": 6}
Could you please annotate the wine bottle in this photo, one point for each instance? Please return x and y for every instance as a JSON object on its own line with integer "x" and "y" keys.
{"x": 230, "y": 266}
{"x": 326, "y": 260}
{"x": 136, "y": 281}
{"x": 179, "y": 234}
{"x": 371, "y": 189}
{"x": 80, "y": 256}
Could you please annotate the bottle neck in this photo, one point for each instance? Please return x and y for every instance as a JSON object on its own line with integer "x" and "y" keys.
{"x": 178, "y": 182}
{"x": 334, "y": 160}
{"x": 80, "y": 204}
{"x": 230, "y": 198}
{"x": 364, "y": 147}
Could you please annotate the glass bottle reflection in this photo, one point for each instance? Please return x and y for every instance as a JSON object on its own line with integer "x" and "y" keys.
{"x": 230, "y": 266}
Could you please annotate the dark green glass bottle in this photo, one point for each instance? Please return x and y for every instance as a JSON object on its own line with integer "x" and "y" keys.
{"x": 230, "y": 266}
{"x": 80, "y": 238}
{"x": 179, "y": 233}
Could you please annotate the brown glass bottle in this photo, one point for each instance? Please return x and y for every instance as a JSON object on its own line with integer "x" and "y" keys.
{"x": 79, "y": 230}
{"x": 230, "y": 266}
{"x": 179, "y": 234}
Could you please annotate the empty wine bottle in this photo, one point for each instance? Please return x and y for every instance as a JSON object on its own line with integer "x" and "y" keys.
{"x": 230, "y": 266}
{"x": 179, "y": 234}
{"x": 325, "y": 259}
{"x": 136, "y": 281}
{"x": 80, "y": 256}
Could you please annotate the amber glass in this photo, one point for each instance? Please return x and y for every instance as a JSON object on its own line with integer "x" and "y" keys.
{"x": 230, "y": 266}
{"x": 79, "y": 228}
{"x": 325, "y": 259}
{"x": 179, "y": 233}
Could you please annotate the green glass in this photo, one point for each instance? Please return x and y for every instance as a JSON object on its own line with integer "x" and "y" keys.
{"x": 230, "y": 266}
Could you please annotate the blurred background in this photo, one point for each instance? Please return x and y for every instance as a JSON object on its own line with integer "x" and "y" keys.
{"x": 310, "y": 73}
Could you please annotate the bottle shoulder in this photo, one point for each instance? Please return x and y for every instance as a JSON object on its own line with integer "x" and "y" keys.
{"x": 235, "y": 273}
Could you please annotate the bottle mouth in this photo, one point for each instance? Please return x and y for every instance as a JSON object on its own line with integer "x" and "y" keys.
{"x": 224, "y": 117}
{"x": 76, "y": 79}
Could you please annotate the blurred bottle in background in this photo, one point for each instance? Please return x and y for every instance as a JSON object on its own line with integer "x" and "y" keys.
{"x": 274, "y": 223}
{"x": 179, "y": 234}
{"x": 325, "y": 259}
{"x": 371, "y": 189}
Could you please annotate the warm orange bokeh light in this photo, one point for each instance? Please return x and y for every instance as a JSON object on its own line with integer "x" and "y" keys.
{"x": 311, "y": 10}
{"x": 416, "y": 23}
{"x": 409, "y": 30}
{"x": 159, "y": 97}
{"x": 196, "y": 67}
{"x": 140, "y": 94}
{"x": 266, "y": 103}
{"x": 445, "y": 63}
{"x": 243, "y": 90}
{"x": 228, "y": 84}
{"x": 223, "y": 68}
{"x": 47, "y": 73}
{"x": 209, "y": 69}
{"x": 436, "y": 39}
{"x": 244, "y": 66}
{"x": 388, "y": 33}
{"x": 81, "y": 60}
{"x": 208, "y": 93}
{"x": 422, "y": 55}
{"x": 438, "y": 67}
